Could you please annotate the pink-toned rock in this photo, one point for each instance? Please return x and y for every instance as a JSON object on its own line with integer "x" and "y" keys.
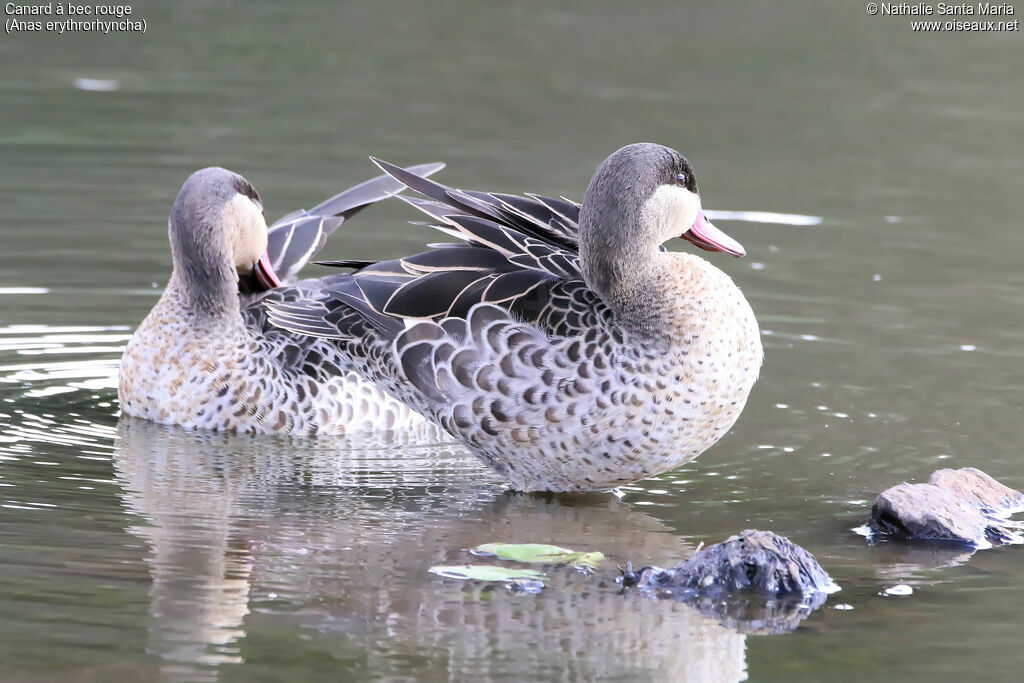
{"x": 971, "y": 484}
{"x": 962, "y": 506}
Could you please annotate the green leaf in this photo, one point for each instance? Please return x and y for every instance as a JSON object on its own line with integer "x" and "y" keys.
{"x": 480, "y": 572}
{"x": 538, "y": 553}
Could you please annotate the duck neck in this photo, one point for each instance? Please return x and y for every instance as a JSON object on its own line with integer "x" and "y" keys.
{"x": 204, "y": 281}
{"x": 629, "y": 278}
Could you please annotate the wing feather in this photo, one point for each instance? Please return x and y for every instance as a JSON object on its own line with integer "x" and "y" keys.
{"x": 295, "y": 238}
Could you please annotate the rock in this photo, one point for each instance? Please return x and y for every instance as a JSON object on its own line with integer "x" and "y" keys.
{"x": 754, "y": 560}
{"x": 973, "y": 485}
{"x": 755, "y": 582}
{"x": 964, "y": 506}
{"x": 926, "y": 512}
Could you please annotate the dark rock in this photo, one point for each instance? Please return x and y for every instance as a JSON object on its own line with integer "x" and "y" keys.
{"x": 754, "y": 560}
{"x": 964, "y": 506}
{"x": 755, "y": 582}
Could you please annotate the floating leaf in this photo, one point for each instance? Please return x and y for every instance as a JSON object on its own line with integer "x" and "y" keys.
{"x": 481, "y": 572}
{"x": 539, "y": 553}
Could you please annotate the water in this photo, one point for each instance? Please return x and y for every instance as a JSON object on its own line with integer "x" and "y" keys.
{"x": 131, "y": 551}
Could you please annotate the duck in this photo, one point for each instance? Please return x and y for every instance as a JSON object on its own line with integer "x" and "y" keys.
{"x": 560, "y": 342}
{"x": 206, "y": 356}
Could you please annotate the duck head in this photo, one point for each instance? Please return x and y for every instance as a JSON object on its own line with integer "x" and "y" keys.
{"x": 219, "y": 237}
{"x": 640, "y": 197}
{"x": 648, "y": 192}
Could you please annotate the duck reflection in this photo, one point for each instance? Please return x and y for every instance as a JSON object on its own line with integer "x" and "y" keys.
{"x": 253, "y": 538}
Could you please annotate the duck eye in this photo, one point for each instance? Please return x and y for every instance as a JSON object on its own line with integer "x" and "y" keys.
{"x": 681, "y": 177}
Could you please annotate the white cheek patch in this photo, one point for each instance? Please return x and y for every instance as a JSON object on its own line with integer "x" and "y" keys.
{"x": 247, "y": 231}
{"x": 674, "y": 208}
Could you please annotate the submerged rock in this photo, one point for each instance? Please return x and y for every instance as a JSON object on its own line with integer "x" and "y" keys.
{"x": 964, "y": 506}
{"x": 755, "y": 582}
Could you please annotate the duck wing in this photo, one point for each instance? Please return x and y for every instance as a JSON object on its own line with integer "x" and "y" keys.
{"x": 490, "y": 334}
{"x": 294, "y": 239}
{"x": 519, "y": 253}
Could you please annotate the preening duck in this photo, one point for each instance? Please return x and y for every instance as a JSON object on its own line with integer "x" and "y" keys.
{"x": 206, "y": 356}
{"x": 559, "y": 342}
